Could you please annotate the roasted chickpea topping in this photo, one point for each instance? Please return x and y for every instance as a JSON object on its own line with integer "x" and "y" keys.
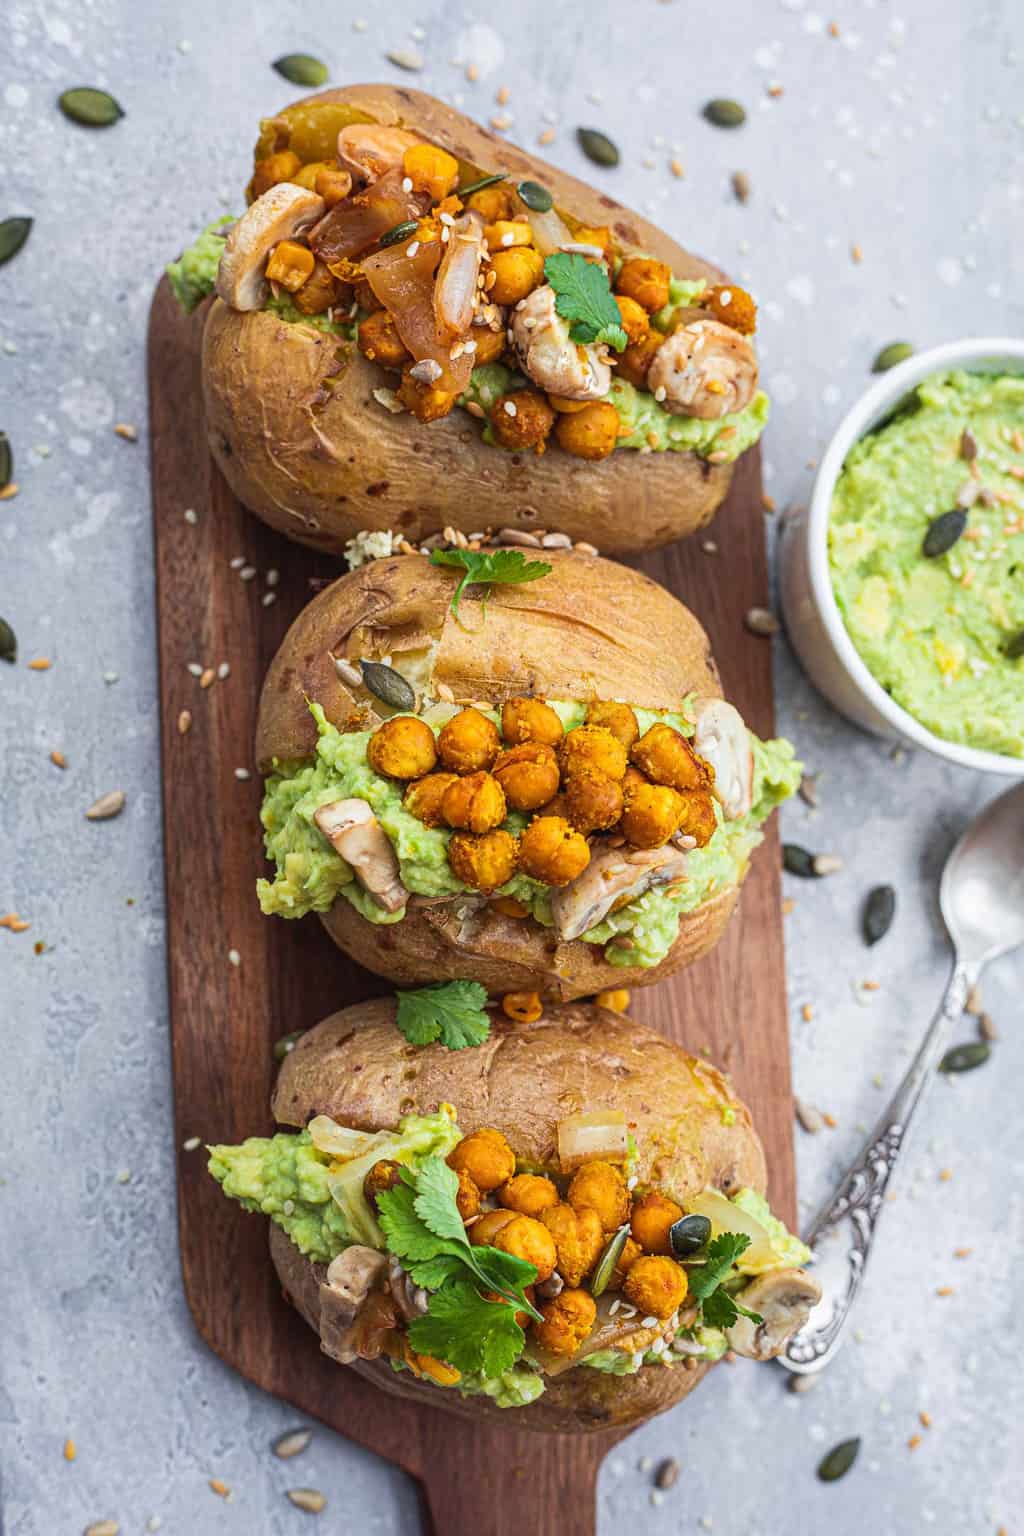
{"x": 553, "y": 851}
{"x": 424, "y": 401}
{"x": 384, "y": 1174}
{"x": 489, "y": 345}
{"x": 592, "y": 748}
{"x": 402, "y": 748}
{"x": 307, "y": 175}
{"x": 486, "y": 1156}
{"x": 646, "y": 281}
{"x": 635, "y": 320}
{"x": 431, "y": 170}
{"x": 567, "y": 1321}
{"x": 517, "y": 272}
{"x": 483, "y": 862}
{"x": 494, "y": 203}
{"x": 483, "y": 1232}
{"x": 332, "y": 184}
{"x": 650, "y": 1221}
{"x": 633, "y": 780}
{"x": 379, "y": 342}
{"x": 525, "y": 1007}
{"x": 530, "y": 720}
{"x": 468, "y": 741}
{"x": 667, "y": 758}
{"x": 600, "y": 1186}
{"x": 652, "y": 813}
{"x": 627, "y": 1258}
{"x": 267, "y": 173}
{"x": 617, "y": 999}
{"x": 579, "y": 1239}
{"x": 438, "y": 1370}
{"x": 617, "y": 718}
{"x": 655, "y": 1285}
{"x": 521, "y": 420}
{"x": 528, "y": 774}
{"x": 732, "y": 306}
{"x": 698, "y": 817}
{"x": 290, "y": 265}
{"x": 564, "y": 406}
{"x": 591, "y": 433}
{"x": 320, "y": 290}
{"x": 506, "y": 234}
{"x": 467, "y": 1198}
{"x": 529, "y": 1194}
{"x": 528, "y": 1239}
{"x": 635, "y": 362}
{"x": 423, "y": 798}
{"x": 593, "y": 801}
{"x": 474, "y": 803}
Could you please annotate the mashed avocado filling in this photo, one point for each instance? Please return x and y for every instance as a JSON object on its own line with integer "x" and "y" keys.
{"x": 944, "y": 635}
{"x": 310, "y": 876}
{"x": 195, "y": 271}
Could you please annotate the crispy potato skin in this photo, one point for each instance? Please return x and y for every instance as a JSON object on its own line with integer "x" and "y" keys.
{"x": 307, "y": 458}
{"x": 516, "y": 1083}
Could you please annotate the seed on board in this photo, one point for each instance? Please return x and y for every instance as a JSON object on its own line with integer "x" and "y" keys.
{"x": 184, "y": 722}
{"x": 797, "y": 861}
{"x": 667, "y": 1474}
{"x": 879, "y": 911}
{"x": 838, "y": 1461}
{"x": 826, "y": 864}
{"x": 91, "y": 108}
{"x": 102, "y": 1528}
{"x": 597, "y": 146}
{"x": 986, "y": 1027}
{"x": 972, "y": 1004}
{"x": 761, "y": 621}
{"x": 1014, "y": 648}
{"x": 301, "y": 69}
{"x": 309, "y": 1499}
{"x": 741, "y": 186}
{"x": 943, "y": 532}
{"x": 888, "y": 357}
{"x": 219, "y": 1487}
{"x": 968, "y": 445}
{"x": 106, "y": 806}
{"x": 722, "y": 112}
{"x": 810, "y": 1118}
{"x": 406, "y": 58}
{"x": 6, "y": 461}
{"x": 388, "y": 685}
{"x": 13, "y": 234}
{"x": 292, "y": 1443}
{"x": 808, "y": 790}
{"x": 127, "y": 431}
{"x": 207, "y": 677}
{"x": 8, "y": 643}
{"x": 964, "y": 1058}
{"x": 287, "y": 1044}
{"x": 192, "y": 1144}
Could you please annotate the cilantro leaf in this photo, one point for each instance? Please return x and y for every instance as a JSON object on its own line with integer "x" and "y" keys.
{"x": 720, "y": 1255}
{"x": 467, "y": 1332}
{"x": 496, "y": 567}
{"x": 436, "y": 1188}
{"x": 721, "y": 1310}
{"x": 583, "y": 296}
{"x": 408, "y": 1237}
{"x": 449, "y": 1011}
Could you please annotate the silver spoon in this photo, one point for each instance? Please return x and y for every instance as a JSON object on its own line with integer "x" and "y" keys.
{"x": 981, "y": 897}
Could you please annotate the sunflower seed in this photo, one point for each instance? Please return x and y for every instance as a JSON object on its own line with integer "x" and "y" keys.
{"x": 968, "y": 494}
{"x": 741, "y": 186}
{"x": 667, "y": 1474}
{"x": 826, "y": 864}
{"x": 986, "y": 1028}
{"x": 309, "y": 1499}
{"x": 90, "y": 107}
{"x": 8, "y": 642}
{"x": 724, "y": 113}
{"x": 968, "y": 445}
{"x": 349, "y": 674}
{"x": 808, "y": 790}
{"x": 6, "y": 461}
{"x": 102, "y": 1528}
{"x": 107, "y": 806}
{"x": 1014, "y": 649}
{"x": 388, "y": 685}
{"x": 292, "y": 1443}
{"x": 301, "y": 69}
{"x": 761, "y": 621}
{"x": 556, "y": 541}
{"x": 184, "y": 722}
{"x": 518, "y": 537}
{"x": 406, "y": 58}
{"x": 597, "y": 146}
{"x": 399, "y": 232}
{"x": 809, "y": 1117}
{"x": 973, "y": 1004}
{"x": 964, "y": 1058}
{"x": 535, "y": 196}
{"x": 943, "y": 533}
{"x": 838, "y": 1461}
{"x": 13, "y": 234}
{"x": 895, "y": 352}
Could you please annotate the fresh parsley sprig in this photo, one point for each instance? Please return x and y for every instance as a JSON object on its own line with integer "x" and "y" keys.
{"x": 717, "y": 1308}
{"x": 497, "y": 567}
{"x": 583, "y": 296}
{"x": 449, "y": 1011}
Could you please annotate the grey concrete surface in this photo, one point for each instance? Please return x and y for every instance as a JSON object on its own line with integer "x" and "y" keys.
{"x": 903, "y": 135}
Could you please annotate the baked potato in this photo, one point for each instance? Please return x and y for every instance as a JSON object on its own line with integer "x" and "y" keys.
{"x": 348, "y": 329}
{"x": 589, "y": 860}
{"x": 560, "y": 1320}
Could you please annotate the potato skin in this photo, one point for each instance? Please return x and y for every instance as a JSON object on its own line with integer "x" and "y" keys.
{"x": 317, "y": 477}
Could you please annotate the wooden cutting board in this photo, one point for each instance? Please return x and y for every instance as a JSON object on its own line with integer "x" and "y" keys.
{"x": 225, "y": 1016}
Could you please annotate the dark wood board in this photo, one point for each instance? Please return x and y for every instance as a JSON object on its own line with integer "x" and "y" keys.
{"x": 225, "y": 1018}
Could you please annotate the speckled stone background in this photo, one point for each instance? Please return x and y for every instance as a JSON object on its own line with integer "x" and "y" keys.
{"x": 903, "y": 135}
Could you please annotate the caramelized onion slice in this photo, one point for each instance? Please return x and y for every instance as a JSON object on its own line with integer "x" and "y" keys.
{"x": 599, "y": 1133}
{"x": 404, "y": 284}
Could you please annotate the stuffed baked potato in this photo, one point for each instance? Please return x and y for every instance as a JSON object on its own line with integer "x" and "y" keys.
{"x": 368, "y": 291}
{"x": 556, "y": 800}
{"x": 583, "y": 1164}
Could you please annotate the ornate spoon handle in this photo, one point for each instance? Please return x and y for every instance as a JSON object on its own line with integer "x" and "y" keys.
{"x": 861, "y": 1194}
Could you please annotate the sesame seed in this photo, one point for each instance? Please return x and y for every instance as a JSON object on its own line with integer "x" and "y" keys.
{"x": 191, "y": 516}
{"x": 406, "y": 183}
{"x": 632, "y": 1182}
{"x": 195, "y": 670}
{"x": 237, "y": 563}
{"x": 234, "y": 958}
{"x": 224, "y": 670}
{"x": 243, "y": 774}
{"x": 58, "y": 759}
{"x": 192, "y": 1144}
{"x": 289, "y": 1207}
{"x": 184, "y": 722}
{"x": 70, "y": 1451}
{"x": 676, "y": 167}
{"x": 268, "y": 598}
{"x": 649, "y": 1322}
{"x": 247, "y": 572}
{"x": 547, "y": 137}
{"x": 412, "y": 248}
{"x": 218, "y": 1487}
{"x": 509, "y": 408}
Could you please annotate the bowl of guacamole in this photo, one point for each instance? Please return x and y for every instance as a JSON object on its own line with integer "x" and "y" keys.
{"x": 903, "y": 583}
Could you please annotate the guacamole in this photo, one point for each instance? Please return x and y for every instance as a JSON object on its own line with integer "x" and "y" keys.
{"x": 195, "y": 271}
{"x": 938, "y": 633}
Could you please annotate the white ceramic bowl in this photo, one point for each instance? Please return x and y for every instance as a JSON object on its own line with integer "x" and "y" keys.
{"x": 813, "y": 621}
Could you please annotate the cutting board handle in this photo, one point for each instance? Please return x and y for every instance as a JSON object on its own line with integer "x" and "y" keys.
{"x": 522, "y": 1490}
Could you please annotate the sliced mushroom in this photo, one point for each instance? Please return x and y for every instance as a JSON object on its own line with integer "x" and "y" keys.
{"x": 613, "y": 877}
{"x": 354, "y": 832}
{"x": 723, "y": 740}
{"x": 549, "y": 356}
{"x": 351, "y": 1277}
{"x": 411, "y": 1300}
{"x": 369, "y": 150}
{"x": 280, "y": 214}
{"x": 705, "y": 369}
{"x": 784, "y": 1298}
{"x": 455, "y": 292}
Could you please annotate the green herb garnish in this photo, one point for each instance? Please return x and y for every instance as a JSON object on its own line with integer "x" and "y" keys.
{"x": 498, "y": 567}
{"x": 718, "y": 1309}
{"x": 449, "y": 1011}
{"x": 584, "y": 297}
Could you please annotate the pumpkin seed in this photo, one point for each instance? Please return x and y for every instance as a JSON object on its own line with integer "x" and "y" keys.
{"x": 895, "y": 352}
{"x": 964, "y": 1058}
{"x": 90, "y": 107}
{"x": 292, "y": 1443}
{"x": 400, "y": 232}
{"x": 478, "y": 186}
{"x": 535, "y": 196}
{"x": 1014, "y": 649}
{"x": 13, "y": 234}
{"x": 879, "y": 911}
{"x": 107, "y": 806}
{"x": 388, "y": 685}
{"x": 797, "y": 861}
{"x": 943, "y": 532}
{"x": 6, "y": 461}
{"x": 597, "y": 146}
{"x": 724, "y": 113}
{"x": 8, "y": 642}
{"x": 309, "y": 1499}
{"x": 301, "y": 69}
{"x": 608, "y": 1260}
{"x": 838, "y": 1461}
{"x": 284, "y": 1047}
{"x": 688, "y": 1235}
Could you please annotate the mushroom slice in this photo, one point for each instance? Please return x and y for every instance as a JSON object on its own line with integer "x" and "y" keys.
{"x": 354, "y": 832}
{"x": 705, "y": 369}
{"x": 280, "y": 214}
{"x": 455, "y": 293}
{"x": 723, "y": 740}
{"x": 548, "y": 355}
{"x": 369, "y": 150}
{"x": 613, "y": 877}
{"x": 784, "y": 1298}
{"x": 351, "y": 1277}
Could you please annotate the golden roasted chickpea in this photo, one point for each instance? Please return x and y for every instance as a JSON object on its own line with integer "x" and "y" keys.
{"x": 593, "y": 801}
{"x": 431, "y": 170}
{"x": 593, "y": 749}
{"x": 384, "y": 1174}
{"x": 507, "y": 234}
{"x": 468, "y": 741}
{"x": 282, "y": 166}
{"x": 423, "y": 798}
{"x": 332, "y": 184}
{"x": 517, "y": 273}
{"x": 732, "y": 306}
{"x": 627, "y": 1258}
{"x": 528, "y": 774}
{"x": 489, "y": 345}
{"x": 474, "y": 803}
{"x": 667, "y": 758}
{"x": 655, "y": 1285}
{"x": 467, "y": 1198}
{"x": 635, "y": 320}
{"x": 579, "y": 1240}
{"x": 644, "y": 280}
{"x": 564, "y": 406}
{"x": 650, "y": 1221}
{"x": 487, "y": 1158}
{"x": 524, "y": 1007}
{"x": 617, "y": 718}
{"x": 567, "y": 1322}
{"x": 530, "y": 720}
{"x": 591, "y": 433}
{"x": 379, "y": 342}
{"x": 529, "y": 1194}
{"x": 306, "y": 175}
{"x": 402, "y": 748}
{"x": 483, "y": 862}
{"x": 320, "y": 290}
{"x": 600, "y": 1186}
{"x": 483, "y": 1232}
{"x": 528, "y": 1239}
{"x": 698, "y": 817}
{"x": 551, "y": 850}
{"x": 651, "y": 814}
{"x": 635, "y": 361}
{"x": 521, "y": 420}
{"x": 424, "y": 401}
{"x": 493, "y": 203}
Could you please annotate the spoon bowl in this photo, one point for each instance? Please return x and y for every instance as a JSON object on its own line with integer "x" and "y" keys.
{"x": 982, "y": 889}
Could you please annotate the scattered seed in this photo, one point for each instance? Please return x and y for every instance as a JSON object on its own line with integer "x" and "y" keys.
{"x": 709, "y": 547}
{"x": 399, "y": 232}
{"x": 838, "y": 1461}
{"x": 803, "y": 1383}
{"x": 677, "y": 169}
{"x": 943, "y": 532}
{"x": 788, "y": 906}
{"x": 925, "y": 1419}
{"x": 287, "y": 1044}
{"x": 6, "y": 461}
{"x": 968, "y": 445}
{"x": 809, "y": 790}
{"x": 810, "y": 1118}
{"x": 9, "y": 491}
{"x": 761, "y": 621}
{"x": 107, "y": 806}
{"x": 964, "y": 1058}
{"x": 58, "y": 759}
{"x": 986, "y": 1028}
{"x": 207, "y": 678}
{"x": 8, "y": 643}
{"x": 724, "y": 113}
{"x": 293, "y": 1443}
{"x": 102, "y": 1528}
{"x": 895, "y": 352}
{"x": 388, "y": 685}
{"x": 89, "y": 107}
{"x": 349, "y": 674}
{"x": 219, "y": 1487}
{"x": 127, "y": 431}
{"x": 973, "y": 1004}
{"x": 191, "y": 516}
{"x": 536, "y": 197}
{"x": 268, "y": 598}
{"x": 309, "y": 1499}
{"x": 13, "y": 234}
{"x": 741, "y": 192}
{"x": 667, "y": 1474}
{"x": 962, "y": 1253}
{"x": 807, "y": 1013}
{"x": 192, "y": 1144}
{"x": 243, "y": 774}
{"x": 597, "y": 146}
{"x": 946, "y": 1290}
{"x": 70, "y": 1450}
{"x": 583, "y": 548}
{"x": 301, "y": 69}
{"x": 234, "y": 958}
{"x": 913, "y": 1442}
{"x": 556, "y": 541}
{"x": 14, "y": 923}
{"x": 879, "y": 911}
{"x": 797, "y": 861}
{"x": 945, "y": 1174}
{"x": 184, "y": 722}
{"x": 406, "y": 58}
{"x": 224, "y": 671}
{"x": 40, "y": 664}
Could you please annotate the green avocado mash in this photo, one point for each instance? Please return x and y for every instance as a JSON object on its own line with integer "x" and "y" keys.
{"x": 934, "y": 631}
{"x": 195, "y": 271}
{"x": 788, "y": 1249}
